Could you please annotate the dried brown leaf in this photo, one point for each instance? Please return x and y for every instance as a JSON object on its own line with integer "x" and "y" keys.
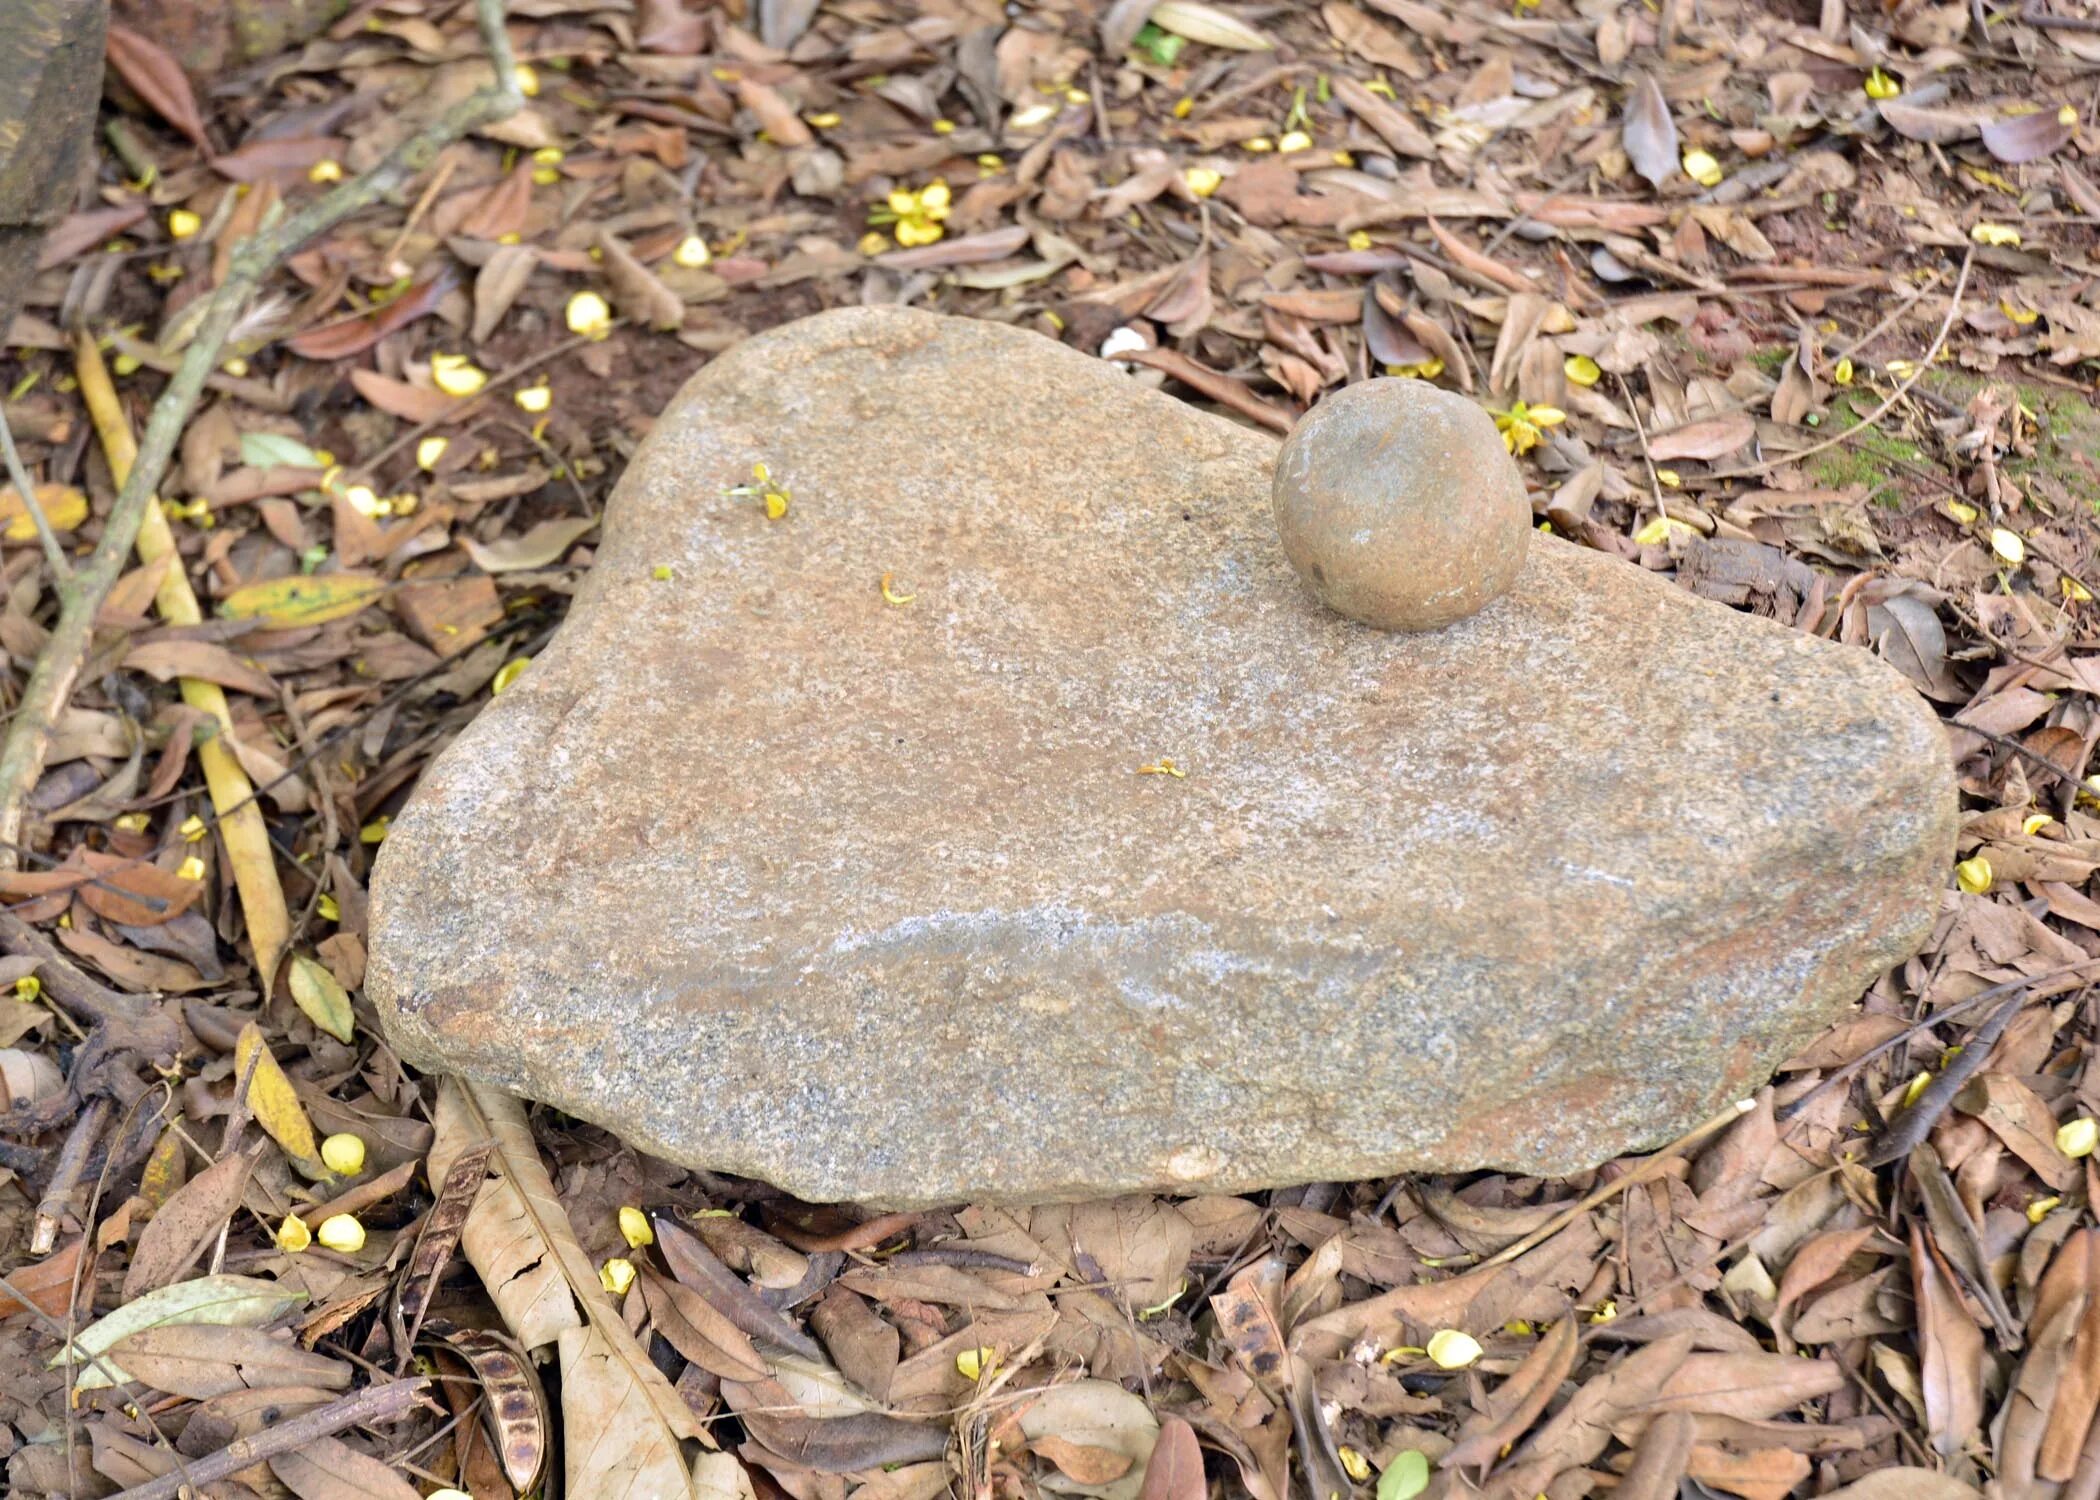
{"x": 185, "y": 1226}
{"x": 1714, "y": 437}
{"x": 330, "y": 1469}
{"x": 166, "y": 660}
{"x": 1648, "y": 133}
{"x": 636, "y": 289}
{"x": 1175, "y": 1470}
{"x": 158, "y": 79}
{"x": 200, "y": 1361}
{"x": 1950, "y": 1351}
{"x": 397, "y": 398}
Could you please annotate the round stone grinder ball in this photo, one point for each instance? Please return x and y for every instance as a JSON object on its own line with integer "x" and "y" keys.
{"x": 1399, "y": 506}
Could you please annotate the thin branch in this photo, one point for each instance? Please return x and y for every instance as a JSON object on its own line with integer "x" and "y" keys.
{"x": 1866, "y": 423}
{"x": 373, "y": 1404}
{"x": 18, "y": 475}
{"x": 59, "y": 665}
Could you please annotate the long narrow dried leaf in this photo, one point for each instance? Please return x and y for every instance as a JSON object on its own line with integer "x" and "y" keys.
{"x": 248, "y": 1301}
{"x": 698, "y": 1267}
{"x": 202, "y": 1362}
{"x": 330, "y": 1469}
{"x": 1950, "y": 1352}
{"x": 542, "y": 546}
{"x": 158, "y": 79}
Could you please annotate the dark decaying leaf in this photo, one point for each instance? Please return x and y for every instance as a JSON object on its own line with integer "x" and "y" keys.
{"x": 516, "y": 1412}
{"x": 699, "y": 1268}
{"x": 845, "y": 1445}
{"x": 435, "y": 1243}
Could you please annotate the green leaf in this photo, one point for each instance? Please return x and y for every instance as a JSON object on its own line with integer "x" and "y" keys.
{"x": 325, "y": 1002}
{"x": 228, "y": 1301}
{"x": 1405, "y": 1477}
{"x": 267, "y": 450}
{"x": 1161, "y": 47}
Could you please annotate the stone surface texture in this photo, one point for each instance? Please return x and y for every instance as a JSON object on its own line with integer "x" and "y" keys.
{"x": 1399, "y": 506}
{"x": 771, "y": 875}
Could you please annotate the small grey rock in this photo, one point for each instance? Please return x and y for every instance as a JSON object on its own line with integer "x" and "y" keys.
{"x": 1399, "y": 506}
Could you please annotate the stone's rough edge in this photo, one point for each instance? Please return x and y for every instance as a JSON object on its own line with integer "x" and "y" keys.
{"x": 1925, "y": 813}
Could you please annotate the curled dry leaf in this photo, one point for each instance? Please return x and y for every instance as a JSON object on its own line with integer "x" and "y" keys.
{"x": 1950, "y": 1351}
{"x": 497, "y": 285}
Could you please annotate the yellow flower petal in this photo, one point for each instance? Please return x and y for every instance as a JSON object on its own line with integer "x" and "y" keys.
{"x": 588, "y": 315}
{"x": 293, "y": 1235}
{"x": 1974, "y": 875}
{"x": 1995, "y": 234}
{"x": 1452, "y": 1349}
{"x": 635, "y": 1228}
{"x": 1294, "y": 140}
{"x": 1202, "y": 181}
{"x": 341, "y": 1233}
{"x": 182, "y": 224}
{"x": 1702, "y": 168}
{"x": 1880, "y": 86}
{"x": 2078, "y": 1137}
{"x": 430, "y": 450}
{"x": 1581, "y": 370}
{"x": 456, "y": 375}
{"x": 617, "y": 1275}
{"x": 2008, "y": 546}
{"x": 692, "y": 252}
{"x": 343, "y": 1153}
{"x": 972, "y": 1363}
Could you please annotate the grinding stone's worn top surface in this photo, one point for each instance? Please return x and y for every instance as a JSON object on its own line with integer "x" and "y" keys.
{"x": 768, "y": 874}
{"x": 1399, "y": 506}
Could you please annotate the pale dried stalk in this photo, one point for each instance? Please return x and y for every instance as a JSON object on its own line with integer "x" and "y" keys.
{"x": 240, "y": 816}
{"x": 58, "y": 666}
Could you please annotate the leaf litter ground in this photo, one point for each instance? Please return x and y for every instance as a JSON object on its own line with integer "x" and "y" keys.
{"x": 1798, "y": 307}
